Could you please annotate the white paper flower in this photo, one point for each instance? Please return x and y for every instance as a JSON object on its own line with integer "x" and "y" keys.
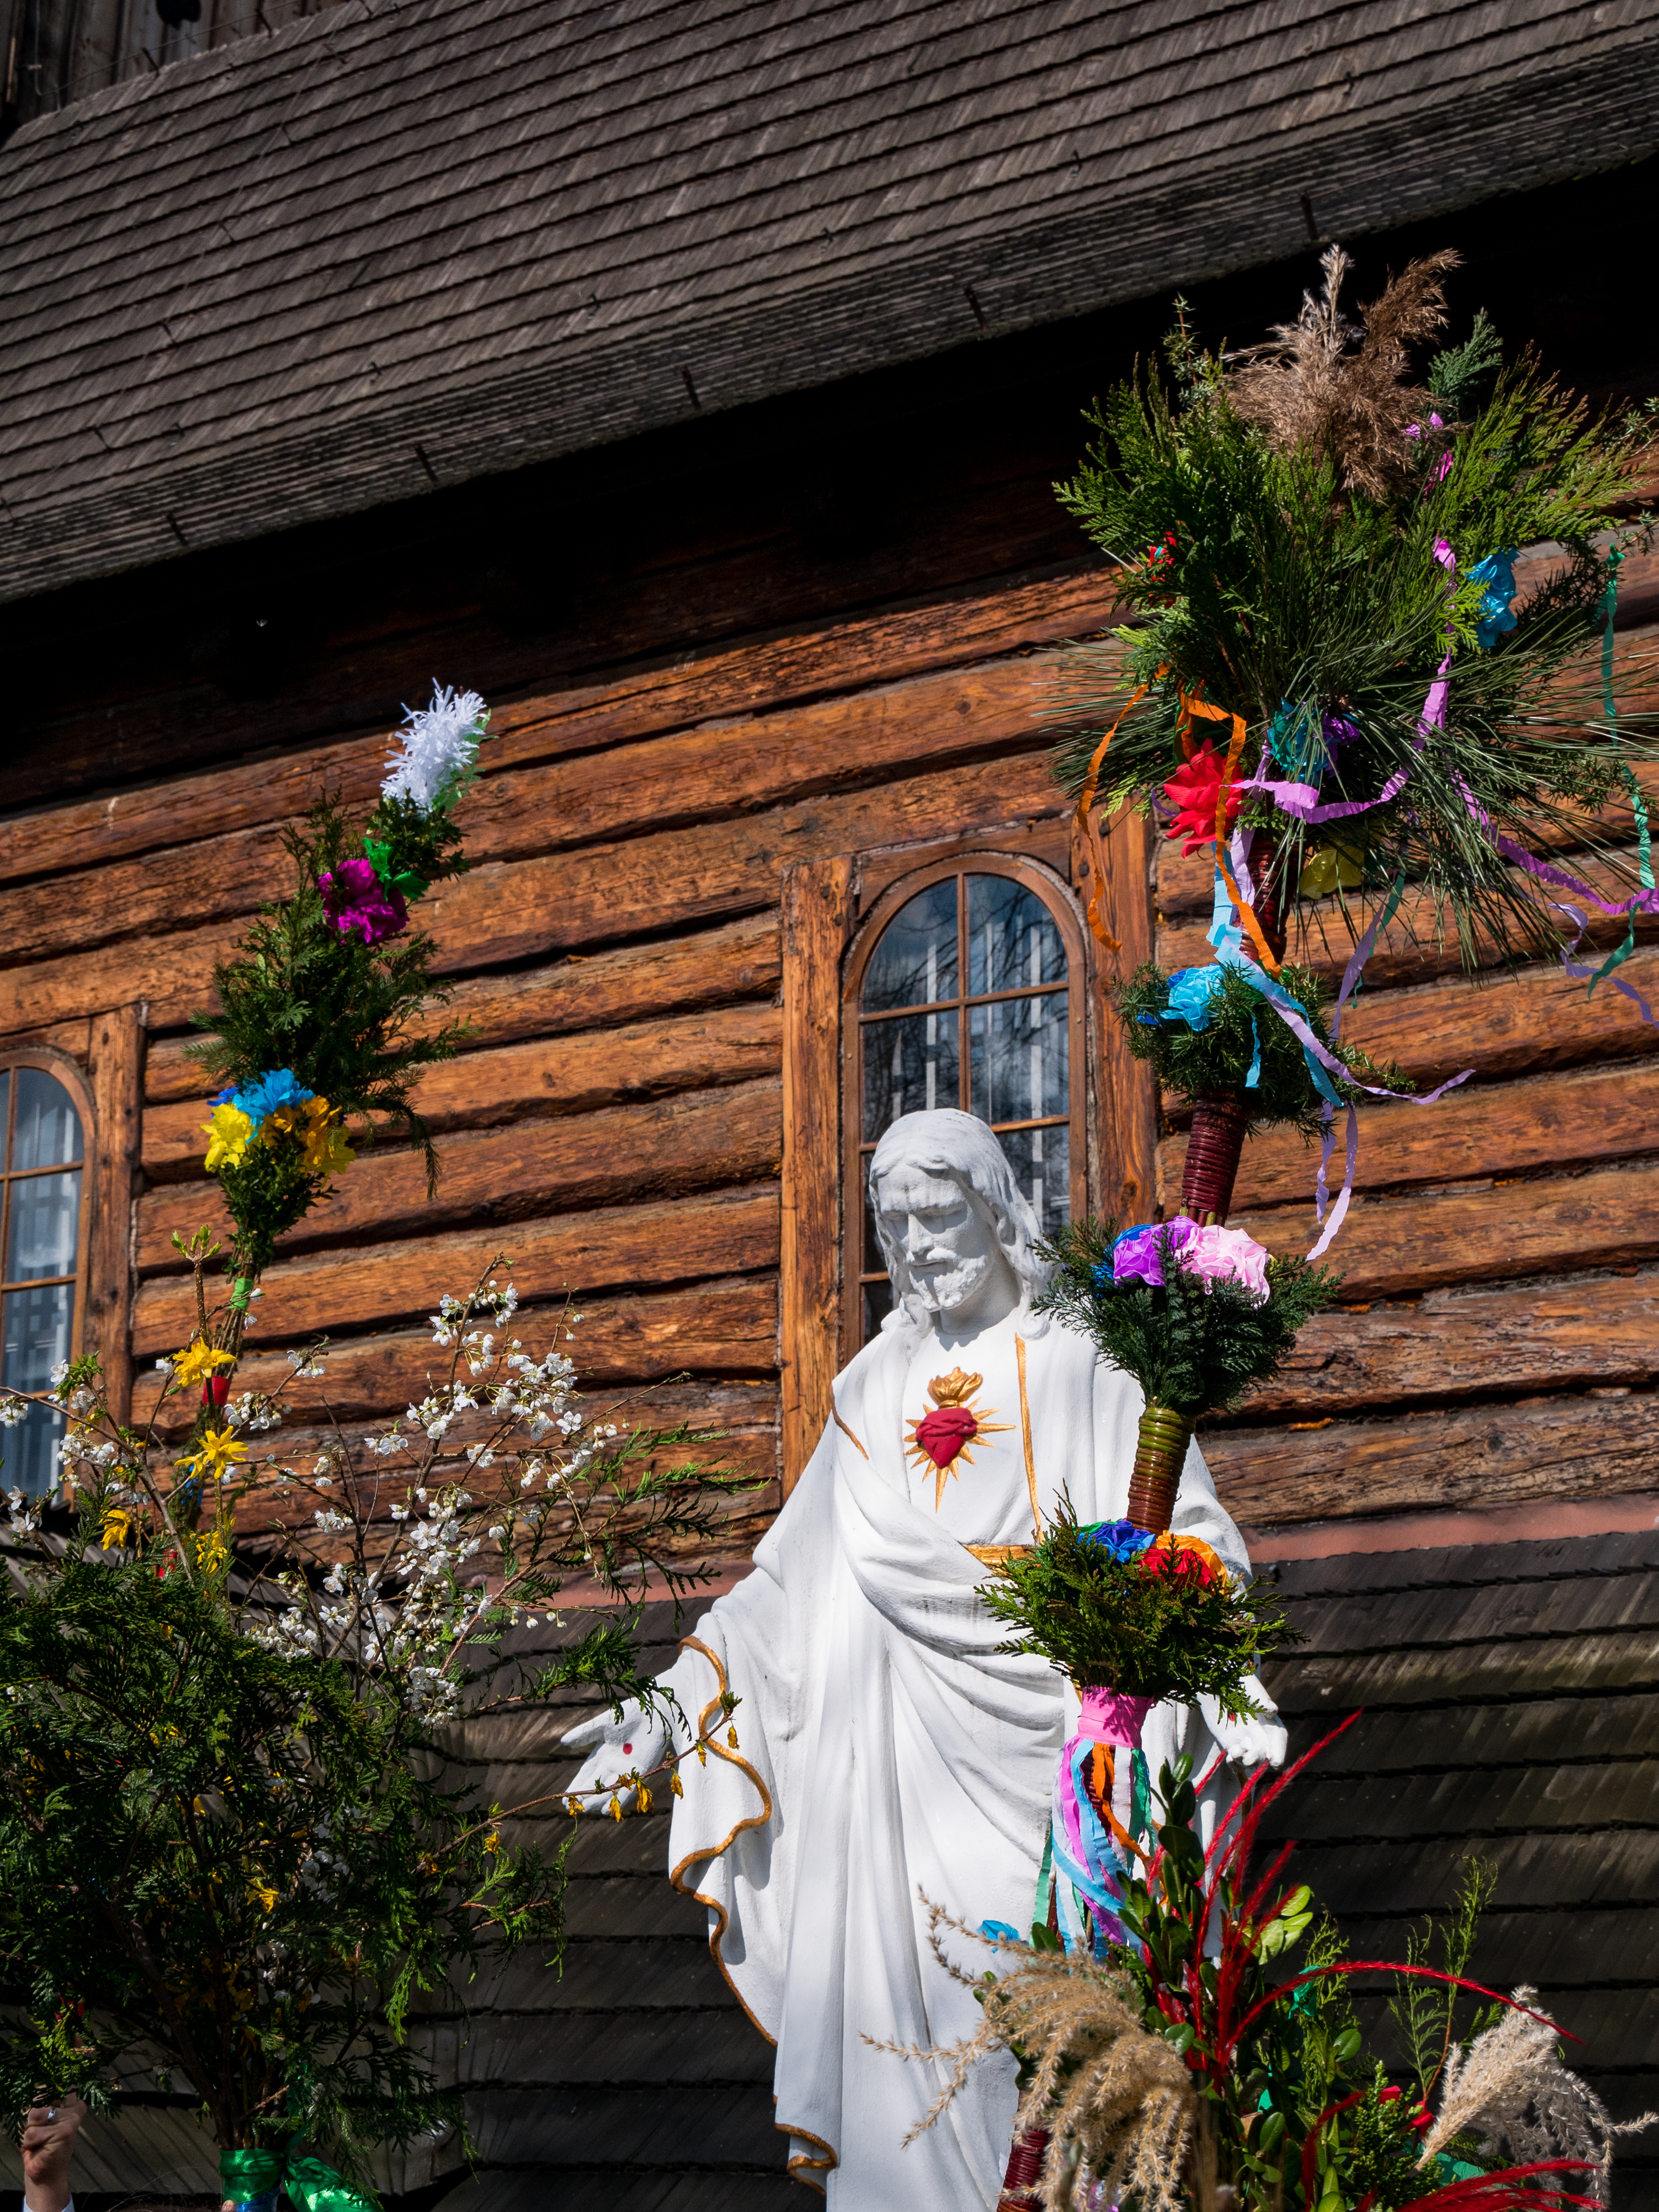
{"x": 439, "y": 751}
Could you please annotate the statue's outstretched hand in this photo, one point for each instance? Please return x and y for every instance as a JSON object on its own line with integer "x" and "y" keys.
{"x": 1259, "y": 1741}
{"x": 633, "y": 1745}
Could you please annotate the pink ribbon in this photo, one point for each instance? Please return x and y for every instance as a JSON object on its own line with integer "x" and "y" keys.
{"x": 1114, "y": 1716}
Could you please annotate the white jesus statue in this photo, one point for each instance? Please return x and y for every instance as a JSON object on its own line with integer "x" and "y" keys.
{"x": 887, "y": 1749}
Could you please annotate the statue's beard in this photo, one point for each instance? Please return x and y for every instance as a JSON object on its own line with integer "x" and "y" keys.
{"x": 941, "y": 1289}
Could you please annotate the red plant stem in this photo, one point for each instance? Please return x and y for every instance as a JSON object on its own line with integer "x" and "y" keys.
{"x": 1384, "y": 1967}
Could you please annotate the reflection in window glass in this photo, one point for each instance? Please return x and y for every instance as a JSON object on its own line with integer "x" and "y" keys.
{"x": 1021, "y": 1058}
{"x": 48, "y": 1133}
{"x": 1013, "y": 943}
{"x": 1041, "y": 1162}
{"x": 910, "y": 1067}
{"x": 916, "y": 963}
{"x": 40, "y": 1144}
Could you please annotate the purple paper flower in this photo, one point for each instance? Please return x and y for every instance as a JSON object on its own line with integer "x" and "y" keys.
{"x": 1138, "y": 1254}
{"x": 1122, "y": 1538}
{"x": 354, "y": 898}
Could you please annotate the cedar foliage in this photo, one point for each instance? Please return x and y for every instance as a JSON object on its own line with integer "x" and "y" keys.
{"x": 1153, "y": 1629}
{"x": 1193, "y": 1349}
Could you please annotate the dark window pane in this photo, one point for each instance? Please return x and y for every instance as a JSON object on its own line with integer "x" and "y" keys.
{"x": 874, "y": 1257}
{"x": 45, "y": 1226}
{"x": 1014, "y": 941}
{"x": 1041, "y": 1161}
{"x": 911, "y": 1067}
{"x": 916, "y": 962}
{"x": 37, "y": 1339}
{"x": 5, "y": 1088}
{"x": 878, "y": 1304}
{"x": 47, "y": 1130}
{"x": 1020, "y": 1064}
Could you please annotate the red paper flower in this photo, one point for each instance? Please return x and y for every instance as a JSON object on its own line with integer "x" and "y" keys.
{"x": 943, "y": 1433}
{"x": 216, "y": 1389}
{"x": 1193, "y": 790}
{"x": 1188, "y": 1557}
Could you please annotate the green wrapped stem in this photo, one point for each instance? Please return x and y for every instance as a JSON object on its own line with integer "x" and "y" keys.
{"x": 254, "y": 2179}
{"x": 1160, "y": 1453}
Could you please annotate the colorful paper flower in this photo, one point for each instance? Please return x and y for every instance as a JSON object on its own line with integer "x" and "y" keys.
{"x": 227, "y": 1130}
{"x": 1193, "y": 791}
{"x": 440, "y": 755}
{"x": 1497, "y": 573}
{"x": 1122, "y": 1538}
{"x": 277, "y": 1087}
{"x": 197, "y": 1364}
{"x": 1138, "y": 1256}
{"x": 354, "y": 898}
{"x": 1227, "y": 1256}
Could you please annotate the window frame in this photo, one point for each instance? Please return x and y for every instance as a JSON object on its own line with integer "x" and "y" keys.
{"x": 1056, "y": 897}
{"x": 72, "y": 1077}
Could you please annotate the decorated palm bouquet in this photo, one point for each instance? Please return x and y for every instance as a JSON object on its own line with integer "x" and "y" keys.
{"x": 1369, "y": 669}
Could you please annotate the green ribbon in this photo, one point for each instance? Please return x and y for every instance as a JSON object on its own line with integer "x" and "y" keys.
{"x": 248, "y": 2175}
{"x": 1638, "y": 806}
{"x": 379, "y": 859}
{"x": 240, "y": 1291}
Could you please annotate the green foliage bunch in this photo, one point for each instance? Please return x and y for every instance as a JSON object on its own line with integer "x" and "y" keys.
{"x": 1156, "y": 1623}
{"x": 348, "y": 1019}
{"x": 1192, "y": 1346}
{"x": 1284, "y": 519}
{"x": 1239, "y": 1032}
{"x": 237, "y": 1844}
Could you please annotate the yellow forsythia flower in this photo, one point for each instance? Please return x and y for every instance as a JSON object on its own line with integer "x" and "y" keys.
{"x": 115, "y": 1528}
{"x": 674, "y": 1784}
{"x": 196, "y": 1364}
{"x": 614, "y": 1808}
{"x": 645, "y": 1798}
{"x": 215, "y": 1453}
{"x": 731, "y": 1737}
{"x": 326, "y": 1149}
{"x": 212, "y": 1551}
{"x": 227, "y": 1134}
{"x": 492, "y": 1842}
{"x": 265, "y": 1895}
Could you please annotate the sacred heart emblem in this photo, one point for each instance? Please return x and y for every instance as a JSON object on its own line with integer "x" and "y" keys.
{"x": 940, "y": 1439}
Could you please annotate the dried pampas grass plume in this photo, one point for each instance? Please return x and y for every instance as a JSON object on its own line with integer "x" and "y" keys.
{"x": 1509, "y": 2090}
{"x": 1335, "y": 388}
{"x": 1111, "y": 2096}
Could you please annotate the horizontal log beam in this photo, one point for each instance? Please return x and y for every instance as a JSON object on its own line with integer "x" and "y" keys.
{"x": 1520, "y": 1338}
{"x": 621, "y": 1249}
{"x": 699, "y": 1141}
{"x": 746, "y": 679}
{"x": 1565, "y": 1447}
{"x": 528, "y": 909}
{"x": 560, "y": 1076}
{"x": 735, "y": 960}
{"x": 1506, "y": 1129}
{"x": 696, "y": 776}
{"x": 727, "y": 1328}
{"x": 1389, "y": 1246}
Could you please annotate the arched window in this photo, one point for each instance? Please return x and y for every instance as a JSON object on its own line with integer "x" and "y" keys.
{"x": 965, "y": 989}
{"x": 43, "y": 1244}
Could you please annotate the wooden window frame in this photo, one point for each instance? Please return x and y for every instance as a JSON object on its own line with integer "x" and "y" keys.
{"x": 1055, "y": 895}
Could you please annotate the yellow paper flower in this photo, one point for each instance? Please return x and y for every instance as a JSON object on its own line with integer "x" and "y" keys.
{"x": 227, "y": 1132}
{"x": 326, "y": 1149}
{"x": 215, "y": 1453}
{"x": 196, "y": 1364}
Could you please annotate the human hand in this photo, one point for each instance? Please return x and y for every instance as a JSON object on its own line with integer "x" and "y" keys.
{"x": 1258, "y": 1741}
{"x": 633, "y": 1745}
{"x": 49, "y": 2133}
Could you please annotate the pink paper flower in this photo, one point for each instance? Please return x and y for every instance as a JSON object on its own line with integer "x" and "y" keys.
{"x": 1228, "y": 1256}
{"x": 354, "y": 898}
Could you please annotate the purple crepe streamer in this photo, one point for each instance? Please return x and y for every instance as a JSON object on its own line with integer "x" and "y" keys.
{"x": 1572, "y": 967}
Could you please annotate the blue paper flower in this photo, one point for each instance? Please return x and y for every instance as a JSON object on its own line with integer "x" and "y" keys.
{"x": 998, "y": 1930}
{"x": 1121, "y": 1538}
{"x": 1192, "y": 995}
{"x": 1497, "y": 573}
{"x": 278, "y": 1086}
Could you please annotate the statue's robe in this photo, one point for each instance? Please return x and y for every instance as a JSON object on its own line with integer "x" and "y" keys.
{"x": 886, "y": 1751}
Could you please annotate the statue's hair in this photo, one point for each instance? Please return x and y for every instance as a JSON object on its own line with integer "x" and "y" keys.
{"x": 962, "y": 1147}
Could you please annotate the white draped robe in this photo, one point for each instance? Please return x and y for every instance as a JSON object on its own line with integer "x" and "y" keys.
{"x": 887, "y": 1750}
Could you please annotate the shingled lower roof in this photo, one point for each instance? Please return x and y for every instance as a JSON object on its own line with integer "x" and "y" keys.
{"x": 395, "y": 246}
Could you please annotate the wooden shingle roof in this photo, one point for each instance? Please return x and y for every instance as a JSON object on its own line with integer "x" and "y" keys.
{"x": 408, "y": 242}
